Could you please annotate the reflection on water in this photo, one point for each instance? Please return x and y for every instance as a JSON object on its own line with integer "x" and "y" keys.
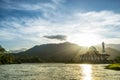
{"x": 52, "y": 71}
{"x": 86, "y": 71}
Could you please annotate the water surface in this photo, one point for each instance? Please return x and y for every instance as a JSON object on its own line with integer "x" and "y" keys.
{"x": 53, "y": 71}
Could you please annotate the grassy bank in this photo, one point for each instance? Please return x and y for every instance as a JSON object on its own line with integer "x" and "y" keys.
{"x": 113, "y": 66}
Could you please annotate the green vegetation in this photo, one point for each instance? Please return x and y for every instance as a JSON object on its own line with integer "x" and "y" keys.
{"x": 113, "y": 66}
{"x": 27, "y": 59}
{"x": 6, "y": 58}
{"x": 117, "y": 59}
{"x": 2, "y": 50}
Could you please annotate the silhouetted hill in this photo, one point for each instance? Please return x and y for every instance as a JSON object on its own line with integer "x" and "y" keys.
{"x": 18, "y": 51}
{"x": 112, "y": 52}
{"x": 114, "y": 46}
{"x": 62, "y": 52}
{"x": 54, "y": 52}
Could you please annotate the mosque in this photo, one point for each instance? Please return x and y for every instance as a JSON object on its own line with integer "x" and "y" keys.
{"x": 93, "y": 56}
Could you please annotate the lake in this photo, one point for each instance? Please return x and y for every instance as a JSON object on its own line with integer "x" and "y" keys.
{"x": 54, "y": 71}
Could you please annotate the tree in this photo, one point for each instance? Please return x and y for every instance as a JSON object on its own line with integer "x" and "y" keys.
{"x": 6, "y": 58}
{"x": 2, "y": 49}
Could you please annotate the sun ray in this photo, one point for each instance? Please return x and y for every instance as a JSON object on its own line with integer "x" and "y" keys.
{"x": 86, "y": 39}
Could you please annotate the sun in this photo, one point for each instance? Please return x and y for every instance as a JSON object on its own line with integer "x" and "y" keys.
{"x": 86, "y": 39}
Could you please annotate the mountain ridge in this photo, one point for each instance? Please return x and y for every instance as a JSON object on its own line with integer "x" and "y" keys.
{"x": 62, "y": 52}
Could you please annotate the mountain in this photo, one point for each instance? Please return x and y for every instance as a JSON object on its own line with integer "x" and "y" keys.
{"x": 18, "y": 51}
{"x": 114, "y": 46}
{"x": 62, "y": 52}
{"x": 54, "y": 52}
{"x": 112, "y": 52}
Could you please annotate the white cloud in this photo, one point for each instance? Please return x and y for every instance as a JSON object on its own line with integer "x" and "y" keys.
{"x": 103, "y": 24}
{"x": 37, "y": 5}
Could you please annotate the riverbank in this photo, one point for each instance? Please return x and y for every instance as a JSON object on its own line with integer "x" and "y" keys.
{"x": 113, "y": 66}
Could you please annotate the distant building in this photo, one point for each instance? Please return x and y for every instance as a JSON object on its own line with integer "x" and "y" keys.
{"x": 93, "y": 56}
{"x": 103, "y": 47}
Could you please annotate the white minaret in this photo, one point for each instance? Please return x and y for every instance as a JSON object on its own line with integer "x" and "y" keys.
{"x": 103, "y": 47}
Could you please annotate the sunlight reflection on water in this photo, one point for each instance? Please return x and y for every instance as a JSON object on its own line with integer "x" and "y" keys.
{"x": 54, "y": 71}
{"x": 86, "y": 71}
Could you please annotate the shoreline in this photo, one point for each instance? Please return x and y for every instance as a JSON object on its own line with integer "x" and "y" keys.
{"x": 115, "y": 66}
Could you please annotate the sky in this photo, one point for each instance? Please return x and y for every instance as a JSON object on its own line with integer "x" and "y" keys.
{"x": 26, "y": 23}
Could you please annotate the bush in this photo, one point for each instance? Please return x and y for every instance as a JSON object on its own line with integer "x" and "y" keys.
{"x": 6, "y": 59}
{"x": 113, "y": 66}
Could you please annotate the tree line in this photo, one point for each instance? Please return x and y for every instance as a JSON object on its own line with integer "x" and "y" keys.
{"x": 5, "y": 58}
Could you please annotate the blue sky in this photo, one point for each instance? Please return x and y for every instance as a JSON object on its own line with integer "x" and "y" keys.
{"x": 25, "y": 23}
